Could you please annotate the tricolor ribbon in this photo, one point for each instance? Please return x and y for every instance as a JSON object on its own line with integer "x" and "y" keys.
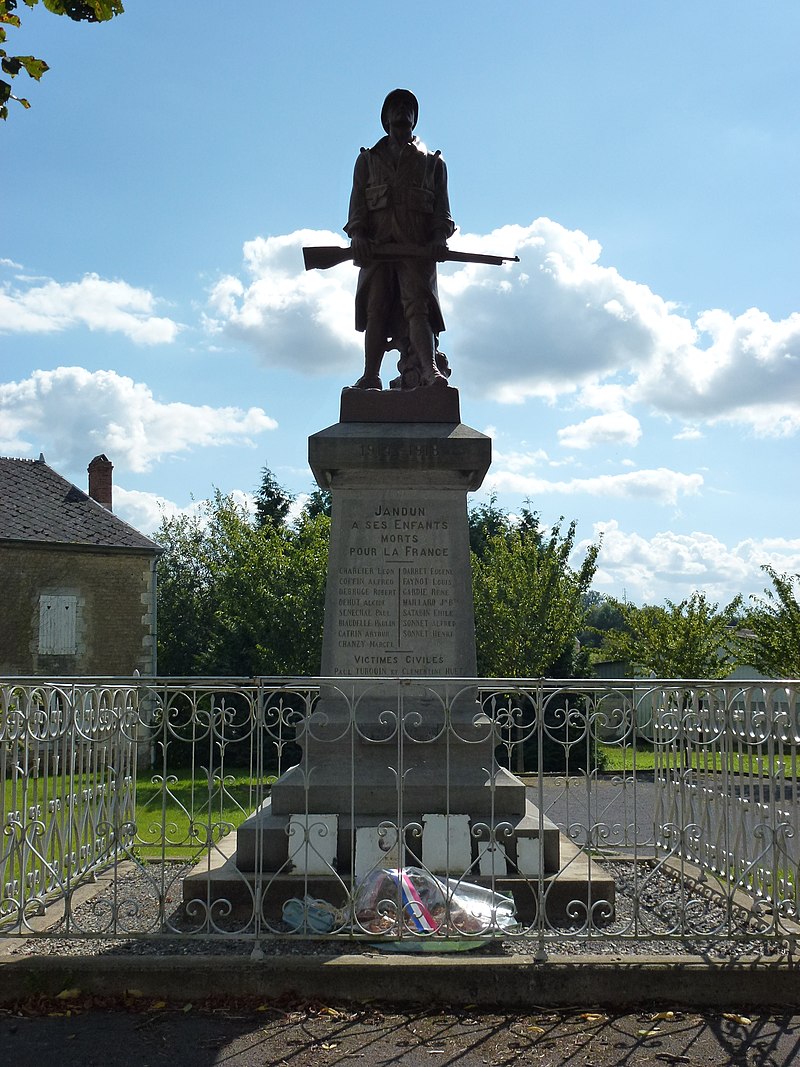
{"x": 419, "y": 916}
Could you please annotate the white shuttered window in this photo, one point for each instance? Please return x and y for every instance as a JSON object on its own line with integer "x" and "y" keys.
{"x": 57, "y": 629}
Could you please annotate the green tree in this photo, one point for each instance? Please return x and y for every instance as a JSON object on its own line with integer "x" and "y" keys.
{"x": 529, "y": 608}
{"x": 485, "y": 522}
{"x": 270, "y": 595}
{"x": 692, "y": 639}
{"x": 602, "y": 614}
{"x": 241, "y": 598}
{"x": 319, "y": 503}
{"x": 77, "y": 10}
{"x": 272, "y": 500}
{"x": 528, "y": 598}
{"x": 772, "y": 639}
{"x": 185, "y": 610}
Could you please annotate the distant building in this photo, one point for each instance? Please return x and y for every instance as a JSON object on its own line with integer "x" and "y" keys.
{"x": 77, "y": 584}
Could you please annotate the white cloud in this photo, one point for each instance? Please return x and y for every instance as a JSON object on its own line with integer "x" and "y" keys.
{"x": 517, "y": 473}
{"x": 557, "y": 323}
{"x": 671, "y": 565}
{"x": 604, "y": 396}
{"x": 297, "y": 506}
{"x": 144, "y": 511}
{"x": 73, "y": 413}
{"x": 519, "y": 461}
{"x": 93, "y": 302}
{"x": 111, "y": 306}
{"x": 744, "y": 369}
{"x": 292, "y": 317}
{"x": 662, "y": 485}
{"x": 614, "y": 428}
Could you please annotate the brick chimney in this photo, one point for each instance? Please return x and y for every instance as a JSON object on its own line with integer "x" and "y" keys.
{"x": 100, "y": 481}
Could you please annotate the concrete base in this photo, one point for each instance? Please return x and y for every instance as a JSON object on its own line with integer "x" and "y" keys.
{"x": 569, "y": 874}
{"x": 580, "y": 879}
{"x": 513, "y": 983}
{"x": 374, "y": 791}
{"x": 427, "y": 404}
{"x": 263, "y": 839}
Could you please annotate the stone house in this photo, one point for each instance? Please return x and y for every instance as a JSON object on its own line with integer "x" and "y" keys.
{"x": 77, "y": 584}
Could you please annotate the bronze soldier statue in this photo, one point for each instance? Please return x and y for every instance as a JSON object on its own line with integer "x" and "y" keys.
{"x": 398, "y": 228}
{"x": 399, "y": 198}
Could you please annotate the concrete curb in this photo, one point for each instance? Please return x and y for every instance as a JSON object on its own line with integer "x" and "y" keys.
{"x": 519, "y": 983}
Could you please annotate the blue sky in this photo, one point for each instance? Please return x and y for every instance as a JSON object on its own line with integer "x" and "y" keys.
{"x": 639, "y": 370}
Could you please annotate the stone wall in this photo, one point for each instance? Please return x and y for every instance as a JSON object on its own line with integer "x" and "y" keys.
{"x": 114, "y": 627}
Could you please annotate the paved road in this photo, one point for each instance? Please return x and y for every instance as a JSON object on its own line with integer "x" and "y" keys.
{"x": 622, "y": 814}
{"x": 152, "y": 1034}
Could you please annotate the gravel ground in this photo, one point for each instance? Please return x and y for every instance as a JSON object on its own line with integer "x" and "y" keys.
{"x": 650, "y": 927}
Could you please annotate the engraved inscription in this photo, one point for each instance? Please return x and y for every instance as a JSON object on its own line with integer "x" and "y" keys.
{"x": 401, "y": 453}
{"x": 396, "y": 605}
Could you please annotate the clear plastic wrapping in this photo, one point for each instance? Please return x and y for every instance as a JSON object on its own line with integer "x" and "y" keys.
{"x": 409, "y": 900}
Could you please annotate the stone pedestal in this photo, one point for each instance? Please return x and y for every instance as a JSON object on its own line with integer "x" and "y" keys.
{"x": 398, "y": 605}
{"x": 399, "y": 592}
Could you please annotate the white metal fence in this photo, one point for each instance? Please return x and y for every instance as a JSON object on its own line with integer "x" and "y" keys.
{"x": 663, "y": 814}
{"x": 67, "y": 789}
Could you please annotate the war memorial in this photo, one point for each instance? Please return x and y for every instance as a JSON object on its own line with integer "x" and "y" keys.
{"x": 407, "y": 770}
{"x": 396, "y": 772}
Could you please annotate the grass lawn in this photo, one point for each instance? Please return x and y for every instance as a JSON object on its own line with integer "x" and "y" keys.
{"x": 178, "y": 825}
{"x": 615, "y": 758}
{"x": 181, "y": 821}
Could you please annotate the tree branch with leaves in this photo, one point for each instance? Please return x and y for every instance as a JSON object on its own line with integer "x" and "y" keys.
{"x": 773, "y": 627}
{"x": 692, "y": 639}
{"x": 12, "y": 65}
{"x": 529, "y": 599}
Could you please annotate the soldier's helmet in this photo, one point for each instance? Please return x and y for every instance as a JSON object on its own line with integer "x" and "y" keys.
{"x": 394, "y": 95}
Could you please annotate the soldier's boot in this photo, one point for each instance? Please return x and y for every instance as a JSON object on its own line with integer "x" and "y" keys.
{"x": 374, "y": 348}
{"x": 424, "y": 347}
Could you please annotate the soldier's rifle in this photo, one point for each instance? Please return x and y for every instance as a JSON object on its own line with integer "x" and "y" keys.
{"x": 321, "y": 257}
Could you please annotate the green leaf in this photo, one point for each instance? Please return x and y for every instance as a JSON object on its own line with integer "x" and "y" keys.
{"x": 11, "y": 65}
{"x": 35, "y": 67}
{"x": 85, "y": 10}
{"x": 5, "y": 92}
{"x": 76, "y": 11}
{"x": 10, "y": 20}
{"x": 107, "y": 9}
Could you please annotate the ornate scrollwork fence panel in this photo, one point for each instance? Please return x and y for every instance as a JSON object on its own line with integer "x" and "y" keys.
{"x": 728, "y": 785}
{"x": 67, "y": 785}
{"x": 657, "y": 812}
